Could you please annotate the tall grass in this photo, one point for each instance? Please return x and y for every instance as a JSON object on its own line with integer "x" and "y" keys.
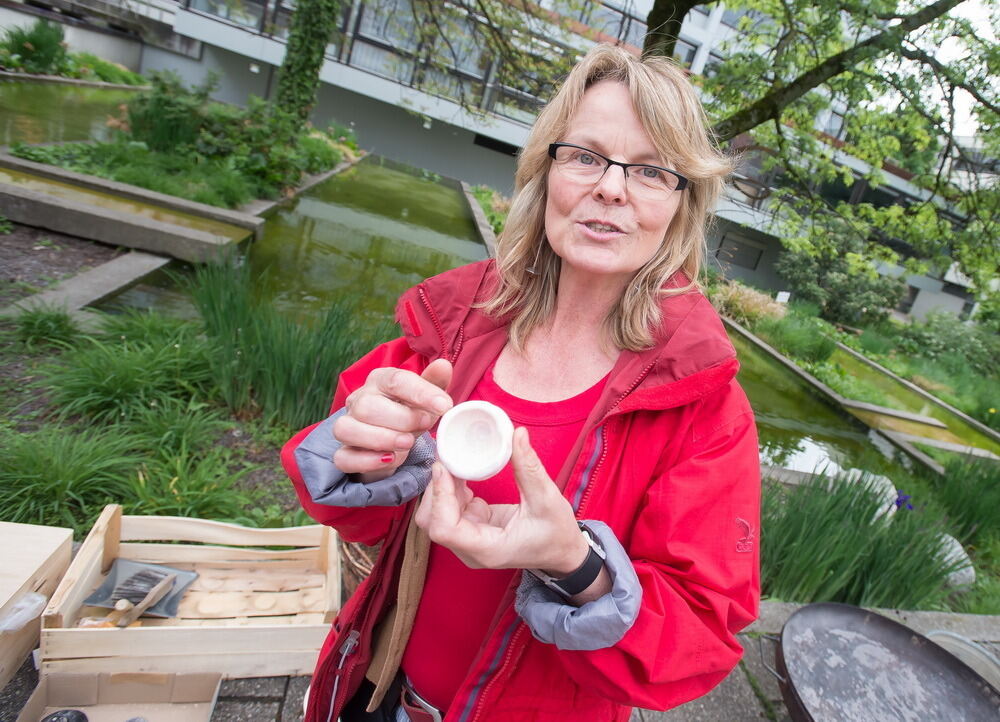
{"x": 264, "y": 360}
{"x": 823, "y": 541}
{"x": 62, "y": 475}
{"x": 970, "y": 494}
{"x": 744, "y": 304}
{"x": 176, "y": 426}
{"x": 796, "y": 336}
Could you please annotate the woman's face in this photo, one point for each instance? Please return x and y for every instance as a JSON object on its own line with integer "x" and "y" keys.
{"x": 604, "y": 230}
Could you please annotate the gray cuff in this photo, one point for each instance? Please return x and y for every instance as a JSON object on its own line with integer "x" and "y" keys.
{"x": 330, "y": 486}
{"x": 594, "y": 625}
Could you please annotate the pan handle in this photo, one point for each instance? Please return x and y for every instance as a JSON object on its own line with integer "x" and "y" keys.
{"x": 760, "y": 648}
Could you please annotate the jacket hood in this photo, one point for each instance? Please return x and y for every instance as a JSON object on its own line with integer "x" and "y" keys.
{"x": 691, "y": 357}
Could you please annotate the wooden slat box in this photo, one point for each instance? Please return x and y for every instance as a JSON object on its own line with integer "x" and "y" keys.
{"x": 252, "y": 612}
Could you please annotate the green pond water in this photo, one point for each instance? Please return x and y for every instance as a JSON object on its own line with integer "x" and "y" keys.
{"x": 798, "y": 429}
{"x": 68, "y": 191}
{"x": 54, "y": 113}
{"x": 899, "y": 396}
{"x": 371, "y": 232}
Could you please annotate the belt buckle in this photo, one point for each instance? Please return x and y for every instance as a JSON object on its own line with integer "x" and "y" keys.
{"x": 426, "y": 706}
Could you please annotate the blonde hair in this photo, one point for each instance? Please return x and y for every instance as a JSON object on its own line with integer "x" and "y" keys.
{"x": 672, "y": 115}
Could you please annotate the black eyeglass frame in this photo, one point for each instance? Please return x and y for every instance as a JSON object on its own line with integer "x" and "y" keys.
{"x": 682, "y": 182}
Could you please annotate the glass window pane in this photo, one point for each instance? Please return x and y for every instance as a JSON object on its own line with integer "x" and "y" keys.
{"x": 246, "y": 12}
{"x": 739, "y": 252}
{"x": 684, "y": 52}
{"x": 390, "y": 21}
{"x": 380, "y": 61}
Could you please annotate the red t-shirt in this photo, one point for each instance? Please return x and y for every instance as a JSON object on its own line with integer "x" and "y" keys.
{"x": 458, "y": 604}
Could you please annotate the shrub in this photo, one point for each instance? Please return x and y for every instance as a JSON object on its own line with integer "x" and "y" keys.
{"x": 36, "y": 49}
{"x": 845, "y": 293}
{"x": 88, "y": 67}
{"x": 941, "y": 336}
{"x": 41, "y": 326}
{"x": 168, "y": 115}
{"x": 744, "y": 304}
{"x": 64, "y": 476}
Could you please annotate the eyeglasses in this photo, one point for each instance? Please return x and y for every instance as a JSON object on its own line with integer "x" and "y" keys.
{"x": 588, "y": 166}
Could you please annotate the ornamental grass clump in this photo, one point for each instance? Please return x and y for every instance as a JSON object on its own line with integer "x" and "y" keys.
{"x": 46, "y": 326}
{"x": 189, "y": 484}
{"x": 107, "y": 381}
{"x": 262, "y": 360}
{"x": 796, "y": 336}
{"x": 826, "y": 540}
{"x": 743, "y": 304}
{"x": 63, "y": 476}
{"x": 39, "y": 48}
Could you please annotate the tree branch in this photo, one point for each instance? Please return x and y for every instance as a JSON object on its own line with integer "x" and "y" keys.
{"x": 764, "y": 108}
{"x": 944, "y": 71}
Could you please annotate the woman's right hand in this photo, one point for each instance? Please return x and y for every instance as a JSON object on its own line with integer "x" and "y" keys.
{"x": 386, "y": 415}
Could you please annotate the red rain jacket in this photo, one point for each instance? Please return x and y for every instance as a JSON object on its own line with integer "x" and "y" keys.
{"x": 668, "y": 459}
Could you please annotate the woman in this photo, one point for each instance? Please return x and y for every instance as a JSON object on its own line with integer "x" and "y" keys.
{"x": 589, "y": 331}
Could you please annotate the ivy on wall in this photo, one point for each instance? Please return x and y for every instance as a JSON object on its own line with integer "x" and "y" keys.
{"x": 312, "y": 25}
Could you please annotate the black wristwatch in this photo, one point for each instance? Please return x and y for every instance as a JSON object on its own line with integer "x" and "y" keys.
{"x": 584, "y": 576}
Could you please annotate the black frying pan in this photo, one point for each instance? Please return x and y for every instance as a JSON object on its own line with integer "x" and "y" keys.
{"x": 845, "y": 664}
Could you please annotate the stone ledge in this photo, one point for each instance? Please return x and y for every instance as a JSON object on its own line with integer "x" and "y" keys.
{"x": 58, "y": 79}
{"x": 124, "y": 190}
{"x": 91, "y": 286}
{"x": 977, "y": 627}
{"x": 486, "y": 233}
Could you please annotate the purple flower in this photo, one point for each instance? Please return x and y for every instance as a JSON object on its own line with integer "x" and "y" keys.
{"x": 903, "y": 500}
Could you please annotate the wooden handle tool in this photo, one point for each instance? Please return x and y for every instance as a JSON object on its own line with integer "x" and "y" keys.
{"x": 155, "y": 594}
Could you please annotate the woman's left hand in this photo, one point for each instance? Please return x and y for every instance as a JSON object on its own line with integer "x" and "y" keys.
{"x": 538, "y": 533}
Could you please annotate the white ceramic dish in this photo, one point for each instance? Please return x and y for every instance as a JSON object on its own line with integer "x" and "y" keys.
{"x": 474, "y": 440}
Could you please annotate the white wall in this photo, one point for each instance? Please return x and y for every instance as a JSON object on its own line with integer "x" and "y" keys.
{"x": 106, "y": 45}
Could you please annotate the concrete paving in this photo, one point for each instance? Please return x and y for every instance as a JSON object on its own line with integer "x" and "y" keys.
{"x": 749, "y": 694}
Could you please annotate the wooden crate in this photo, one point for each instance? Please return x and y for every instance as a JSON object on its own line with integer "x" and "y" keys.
{"x": 33, "y": 560}
{"x": 251, "y": 612}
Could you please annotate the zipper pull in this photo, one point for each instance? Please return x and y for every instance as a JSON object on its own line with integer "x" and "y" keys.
{"x": 350, "y": 643}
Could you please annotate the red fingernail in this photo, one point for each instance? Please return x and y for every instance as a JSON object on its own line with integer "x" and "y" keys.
{"x": 387, "y": 458}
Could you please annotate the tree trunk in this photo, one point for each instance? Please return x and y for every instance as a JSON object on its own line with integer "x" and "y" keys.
{"x": 663, "y": 26}
{"x": 313, "y": 23}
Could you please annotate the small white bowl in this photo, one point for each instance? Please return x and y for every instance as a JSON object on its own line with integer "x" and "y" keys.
{"x": 475, "y": 440}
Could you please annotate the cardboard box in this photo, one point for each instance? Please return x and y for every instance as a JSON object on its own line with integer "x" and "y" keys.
{"x": 34, "y": 559}
{"x": 253, "y": 611}
{"x": 118, "y": 697}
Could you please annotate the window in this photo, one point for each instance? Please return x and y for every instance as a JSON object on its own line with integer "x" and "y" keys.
{"x": 684, "y": 52}
{"x": 739, "y": 251}
{"x": 834, "y": 124}
{"x": 712, "y": 64}
{"x": 732, "y": 17}
{"x": 906, "y": 304}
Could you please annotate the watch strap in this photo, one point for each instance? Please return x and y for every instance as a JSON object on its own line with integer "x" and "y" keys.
{"x": 577, "y": 581}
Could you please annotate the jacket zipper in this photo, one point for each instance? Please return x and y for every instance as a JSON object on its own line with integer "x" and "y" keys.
{"x": 434, "y": 319}
{"x": 346, "y": 648}
{"x": 604, "y": 438}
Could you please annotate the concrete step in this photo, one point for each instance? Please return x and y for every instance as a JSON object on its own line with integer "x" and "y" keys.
{"x": 93, "y": 285}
